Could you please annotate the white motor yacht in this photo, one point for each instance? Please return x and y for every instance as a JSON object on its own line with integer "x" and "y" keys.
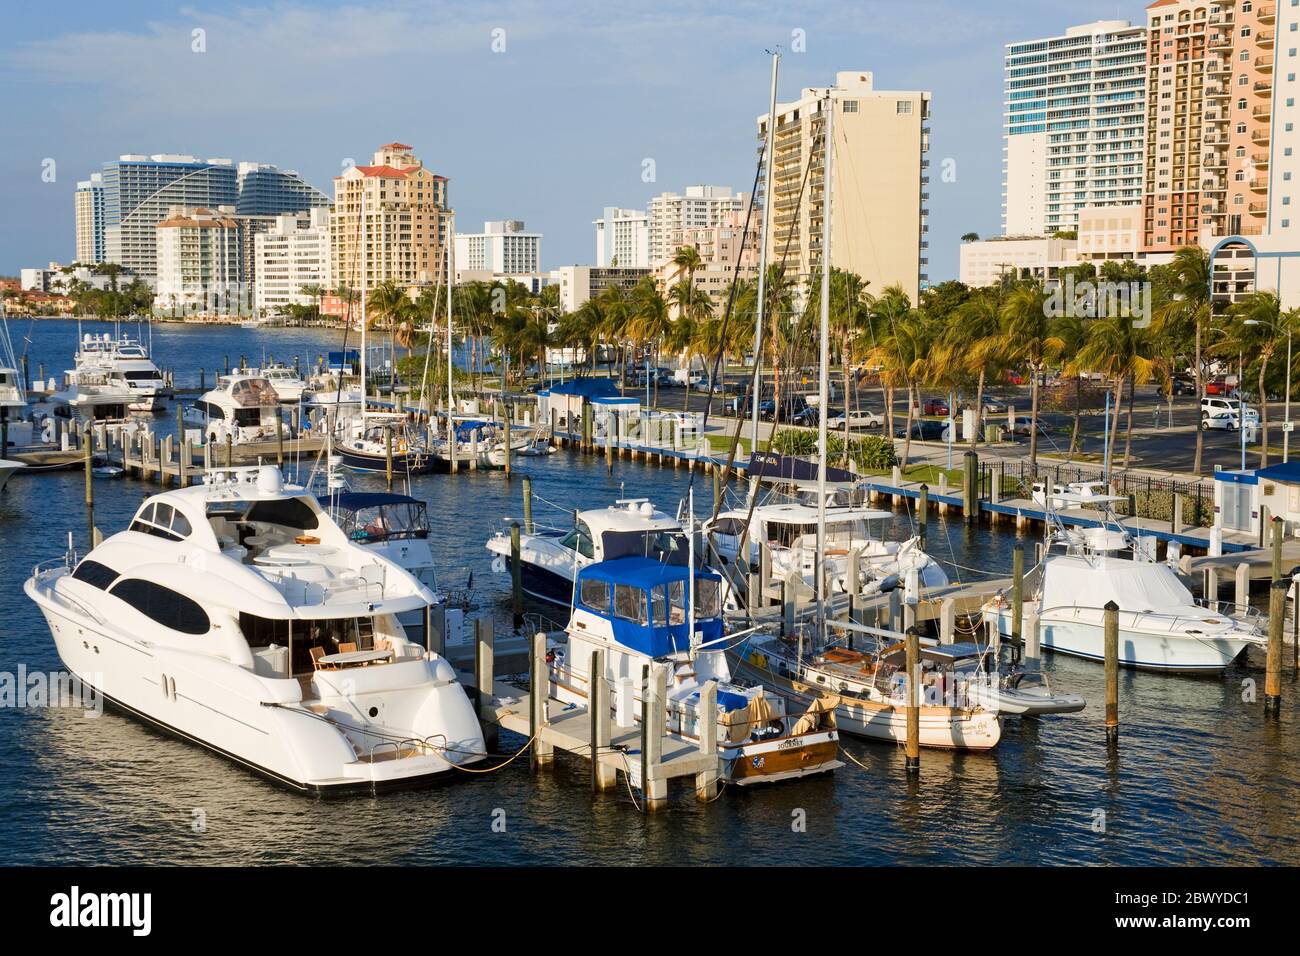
{"x": 288, "y": 384}
{"x": 1161, "y": 625}
{"x": 789, "y": 530}
{"x": 244, "y": 406}
{"x": 551, "y": 558}
{"x": 128, "y": 364}
{"x": 93, "y": 393}
{"x": 238, "y": 615}
{"x": 7, "y": 469}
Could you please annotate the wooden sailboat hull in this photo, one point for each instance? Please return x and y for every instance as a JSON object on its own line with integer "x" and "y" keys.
{"x": 945, "y": 728}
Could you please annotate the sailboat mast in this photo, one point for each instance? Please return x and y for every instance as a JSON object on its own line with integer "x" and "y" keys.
{"x": 451, "y": 399}
{"x": 690, "y": 564}
{"x": 768, "y": 149}
{"x": 365, "y": 391}
{"x": 825, "y": 361}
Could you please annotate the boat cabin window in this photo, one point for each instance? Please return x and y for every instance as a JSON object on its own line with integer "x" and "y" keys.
{"x": 247, "y": 417}
{"x": 732, "y": 527}
{"x": 141, "y": 375}
{"x": 212, "y": 411}
{"x": 579, "y": 539}
{"x": 161, "y": 520}
{"x": 163, "y": 605}
{"x": 629, "y": 603}
{"x": 94, "y": 573}
{"x": 302, "y": 636}
{"x": 595, "y": 595}
{"x": 668, "y": 603}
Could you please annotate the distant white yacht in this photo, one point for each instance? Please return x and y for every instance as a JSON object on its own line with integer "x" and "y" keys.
{"x": 243, "y": 406}
{"x": 126, "y": 362}
{"x": 238, "y": 615}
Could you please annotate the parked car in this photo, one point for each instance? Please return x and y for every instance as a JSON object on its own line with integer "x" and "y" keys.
{"x": 1217, "y": 387}
{"x": 925, "y": 430}
{"x": 935, "y": 406}
{"x": 808, "y": 416}
{"x": 1024, "y": 424}
{"x": 1211, "y": 407}
{"x": 1182, "y": 385}
{"x": 994, "y": 406}
{"x": 859, "y": 419}
{"x": 789, "y": 408}
{"x": 1015, "y": 378}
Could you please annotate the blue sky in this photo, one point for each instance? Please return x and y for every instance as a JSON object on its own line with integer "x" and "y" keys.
{"x": 548, "y": 131}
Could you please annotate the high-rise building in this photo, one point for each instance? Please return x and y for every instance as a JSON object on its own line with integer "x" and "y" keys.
{"x": 722, "y": 257}
{"x": 622, "y": 239}
{"x": 293, "y": 254}
{"x": 504, "y": 247}
{"x": 200, "y": 260}
{"x": 90, "y": 219}
{"x": 880, "y": 175}
{"x": 578, "y": 284}
{"x": 408, "y": 222}
{"x": 138, "y": 191}
{"x": 670, "y": 215}
{"x": 266, "y": 190}
{"x": 1074, "y": 124}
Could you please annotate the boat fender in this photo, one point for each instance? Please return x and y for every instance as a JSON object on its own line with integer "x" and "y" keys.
{"x": 499, "y": 564}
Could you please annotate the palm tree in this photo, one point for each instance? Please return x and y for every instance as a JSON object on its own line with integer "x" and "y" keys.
{"x": 1259, "y": 328}
{"x": 970, "y": 237}
{"x": 1026, "y": 337}
{"x": 969, "y": 345}
{"x": 687, "y": 259}
{"x": 316, "y": 293}
{"x": 1189, "y": 308}
{"x": 902, "y": 349}
{"x": 1115, "y": 348}
{"x": 1072, "y": 330}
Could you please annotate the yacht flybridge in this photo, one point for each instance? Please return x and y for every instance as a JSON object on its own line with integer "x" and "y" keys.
{"x": 1161, "y": 626}
{"x": 243, "y": 407}
{"x": 126, "y": 361}
{"x": 238, "y": 615}
{"x": 551, "y": 559}
{"x": 789, "y": 531}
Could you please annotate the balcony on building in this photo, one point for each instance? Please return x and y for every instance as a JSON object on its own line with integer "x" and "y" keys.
{"x": 1259, "y": 160}
{"x": 1259, "y": 184}
{"x": 1264, "y": 64}
{"x": 1258, "y": 208}
{"x": 1263, "y": 87}
{"x": 1265, "y": 39}
{"x": 1263, "y": 113}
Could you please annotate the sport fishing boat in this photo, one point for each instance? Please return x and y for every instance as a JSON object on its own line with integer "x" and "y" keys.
{"x": 551, "y": 559}
{"x": 638, "y": 611}
{"x": 869, "y": 689}
{"x": 1161, "y": 625}
{"x": 127, "y": 362}
{"x": 238, "y": 615}
{"x": 789, "y": 530}
{"x": 244, "y": 407}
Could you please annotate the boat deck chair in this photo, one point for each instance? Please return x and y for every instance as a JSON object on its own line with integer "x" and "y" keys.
{"x": 347, "y": 647}
{"x": 316, "y": 654}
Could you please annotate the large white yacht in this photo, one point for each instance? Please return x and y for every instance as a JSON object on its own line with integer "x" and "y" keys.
{"x": 238, "y": 615}
{"x": 243, "y": 406}
{"x": 789, "y": 529}
{"x": 126, "y": 361}
{"x": 1161, "y": 626}
{"x": 93, "y": 393}
{"x": 288, "y": 384}
{"x": 550, "y": 559}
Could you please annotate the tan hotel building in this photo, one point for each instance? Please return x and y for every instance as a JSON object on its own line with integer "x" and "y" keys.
{"x": 880, "y": 176}
{"x": 409, "y": 226}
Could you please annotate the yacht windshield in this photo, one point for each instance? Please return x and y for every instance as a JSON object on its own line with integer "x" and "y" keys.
{"x": 384, "y": 522}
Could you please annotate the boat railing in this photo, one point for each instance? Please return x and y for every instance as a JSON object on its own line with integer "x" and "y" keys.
{"x": 47, "y": 575}
{"x": 1175, "y": 619}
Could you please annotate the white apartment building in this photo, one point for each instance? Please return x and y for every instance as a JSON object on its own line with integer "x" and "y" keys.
{"x": 504, "y": 247}
{"x": 200, "y": 260}
{"x": 294, "y": 253}
{"x": 671, "y": 215}
{"x": 1074, "y": 125}
{"x": 622, "y": 238}
{"x": 986, "y": 262}
{"x": 578, "y": 284}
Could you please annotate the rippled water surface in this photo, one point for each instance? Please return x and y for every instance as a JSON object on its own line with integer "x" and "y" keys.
{"x": 1199, "y": 776}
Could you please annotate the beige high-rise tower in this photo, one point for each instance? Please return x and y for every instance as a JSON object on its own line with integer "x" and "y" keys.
{"x": 409, "y": 225}
{"x": 880, "y": 178}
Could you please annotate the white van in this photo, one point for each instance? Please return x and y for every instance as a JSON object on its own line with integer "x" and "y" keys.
{"x": 1224, "y": 413}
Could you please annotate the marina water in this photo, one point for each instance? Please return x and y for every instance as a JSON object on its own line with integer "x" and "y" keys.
{"x": 1199, "y": 776}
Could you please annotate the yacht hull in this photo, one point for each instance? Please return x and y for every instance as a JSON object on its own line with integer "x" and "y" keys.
{"x": 262, "y": 724}
{"x": 1142, "y": 650}
{"x": 404, "y": 463}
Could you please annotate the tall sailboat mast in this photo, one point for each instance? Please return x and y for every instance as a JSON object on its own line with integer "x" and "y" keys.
{"x": 825, "y": 360}
{"x": 768, "y": 149}
{"x": 365, "y": 391}
{"x": 451, "y": 398}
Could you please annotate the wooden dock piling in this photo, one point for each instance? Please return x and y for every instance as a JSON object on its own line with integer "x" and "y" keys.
{"x": 1110, "y": 616}
{"x": 603, "y": 777}
{"x": 1273, "y": 667}
{"x": 923, "y": 513}
{"x": 1277, "y": 547}
{"x": 484, "y": 676}
{"x": 528, "y": 505}
{"x": 516, "y": 577}
{"x": 1017, "y": 595}
{"x": 913, "y": 746}
{"x": 88, "y": 455}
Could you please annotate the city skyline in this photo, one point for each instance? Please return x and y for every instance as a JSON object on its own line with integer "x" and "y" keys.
{"x": 675, "y": 105}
